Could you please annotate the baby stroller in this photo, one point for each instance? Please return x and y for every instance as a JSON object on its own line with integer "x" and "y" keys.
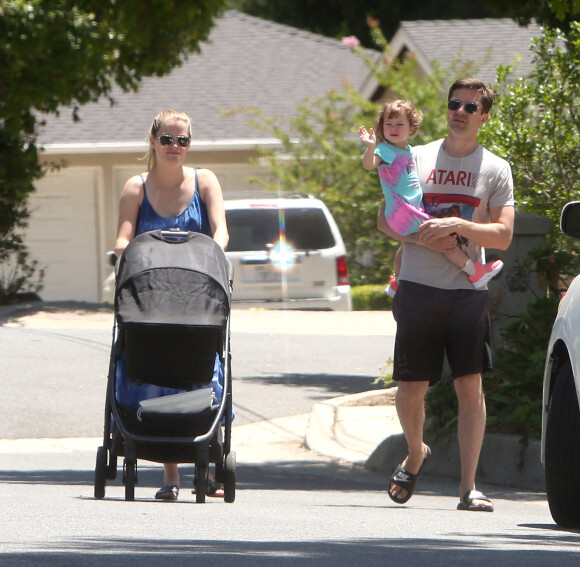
{"x": 171, "y": 328}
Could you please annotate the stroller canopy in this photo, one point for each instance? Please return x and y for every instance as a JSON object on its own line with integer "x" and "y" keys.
{"x": 181, "y": 279}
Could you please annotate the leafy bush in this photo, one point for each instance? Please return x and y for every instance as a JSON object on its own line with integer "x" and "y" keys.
{"x": 20, "y": 279}
{"x": 513, "y": 389}
{"x": 514, "y": 386}
{"x": 370, "y": 298}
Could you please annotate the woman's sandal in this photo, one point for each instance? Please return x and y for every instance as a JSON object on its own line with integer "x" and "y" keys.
{"x": 406, "y": 481}
{"x": 466, "y": 502}
{"x": 213, "y": 488}
{"x": 167, "y": 492}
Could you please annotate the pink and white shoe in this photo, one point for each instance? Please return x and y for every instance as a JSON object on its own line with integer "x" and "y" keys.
{"x": 484, "y": 273}
{"x": 391, "y": 289}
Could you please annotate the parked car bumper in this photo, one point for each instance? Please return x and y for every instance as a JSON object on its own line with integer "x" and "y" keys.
{"x": 341, "y": 301}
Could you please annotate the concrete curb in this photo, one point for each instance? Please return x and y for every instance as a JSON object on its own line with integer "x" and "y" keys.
{"x": 371, "y": 436}
{"x": 343, "y": 428}
{"x": 502, "y": 462}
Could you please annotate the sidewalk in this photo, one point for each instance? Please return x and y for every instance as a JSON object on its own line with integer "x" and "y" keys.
{"x": 362, "y": 429}
{"x": 370, "y": 436}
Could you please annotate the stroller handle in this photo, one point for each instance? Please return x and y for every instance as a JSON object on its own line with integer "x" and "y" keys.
{"x": 183, "y": 234}
{"x": 174, "y": 233}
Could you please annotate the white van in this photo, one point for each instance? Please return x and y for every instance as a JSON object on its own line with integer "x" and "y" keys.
{"x": 287, "y": 253}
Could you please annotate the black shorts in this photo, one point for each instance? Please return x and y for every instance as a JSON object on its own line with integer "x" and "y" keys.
{"x": 432, "y": 323}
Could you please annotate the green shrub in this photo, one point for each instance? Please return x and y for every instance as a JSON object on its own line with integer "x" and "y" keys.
{"x": 20, "y": 279}
{"x": 514, "y": 386}
{"x": 370, "y": 298}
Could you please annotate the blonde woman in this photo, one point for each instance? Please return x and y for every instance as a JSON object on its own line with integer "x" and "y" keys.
{"x": 169, "y": 195}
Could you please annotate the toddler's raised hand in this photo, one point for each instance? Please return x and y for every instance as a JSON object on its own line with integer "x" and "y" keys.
{"x": 368, "y": 138}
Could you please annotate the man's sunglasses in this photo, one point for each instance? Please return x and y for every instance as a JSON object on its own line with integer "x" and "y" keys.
{"x": 167, "y": 140}
{"x": 470, "y": 107}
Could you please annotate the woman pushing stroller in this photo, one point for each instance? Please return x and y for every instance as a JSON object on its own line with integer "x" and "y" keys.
{"x": 169, "y": 195}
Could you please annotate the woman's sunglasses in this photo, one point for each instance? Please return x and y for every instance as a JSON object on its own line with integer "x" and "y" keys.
{"x": 182, "y": 141}
{"x": 470, "y": 107}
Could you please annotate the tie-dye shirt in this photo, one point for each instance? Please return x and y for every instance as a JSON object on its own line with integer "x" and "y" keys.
{"x": 401, "y": 189}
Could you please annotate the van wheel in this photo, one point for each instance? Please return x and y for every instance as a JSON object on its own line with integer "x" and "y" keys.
{"x": 563, "y": 451}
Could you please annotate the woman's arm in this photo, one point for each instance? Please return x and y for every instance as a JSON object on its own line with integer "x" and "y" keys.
{"x": 129, "y": 204}
{"x": 211, "y": 193}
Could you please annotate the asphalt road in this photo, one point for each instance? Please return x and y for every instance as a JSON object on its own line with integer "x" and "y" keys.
{"x": 54, "y": 371}
{"x": 293, "y": 507}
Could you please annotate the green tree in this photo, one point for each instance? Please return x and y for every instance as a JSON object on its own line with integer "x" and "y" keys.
{"x": 70, "y": 52}
{"x": 549, "y": 13}
{"x": 536, "y": 126}
{"x": 338, "y": 18}
{"x": 321, "y": 154}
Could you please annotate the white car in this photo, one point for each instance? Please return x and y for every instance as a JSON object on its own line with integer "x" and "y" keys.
{"x": 287, "y": 253}
{"x": 561, "y": 411}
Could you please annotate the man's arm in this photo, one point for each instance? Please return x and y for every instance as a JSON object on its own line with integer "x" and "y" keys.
{"x": 497, "y": 233}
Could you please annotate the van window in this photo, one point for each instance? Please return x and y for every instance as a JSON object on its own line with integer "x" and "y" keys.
{"x": 253, "y": 229}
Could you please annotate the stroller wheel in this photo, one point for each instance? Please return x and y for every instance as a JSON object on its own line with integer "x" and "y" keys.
{"x": 130, "y": 478}
{"x": 230, "y": 477}
{"x": 101, "y": 473}
{"x": 200, "y": 482}
{"x": 112, "y": 468}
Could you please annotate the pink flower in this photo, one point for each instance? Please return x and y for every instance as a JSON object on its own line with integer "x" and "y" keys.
{"x": 351, "y": 41}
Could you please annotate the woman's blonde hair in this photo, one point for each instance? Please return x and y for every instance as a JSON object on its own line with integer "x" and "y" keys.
{"x": 163, "y": 117}
{"x": 395, "y": 109}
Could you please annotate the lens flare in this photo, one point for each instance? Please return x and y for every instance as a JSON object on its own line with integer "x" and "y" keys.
{"x": 283, "y": 255}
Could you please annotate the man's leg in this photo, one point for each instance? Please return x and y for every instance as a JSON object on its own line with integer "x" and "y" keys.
{"x": 470, "y": 429}
{"x": 410, "y": 403}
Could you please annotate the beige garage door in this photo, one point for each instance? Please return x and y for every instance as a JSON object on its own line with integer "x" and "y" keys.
{"x": 63, "y": 234}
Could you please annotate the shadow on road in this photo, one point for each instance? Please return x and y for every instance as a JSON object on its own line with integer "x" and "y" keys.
{"x": 292, "y": 475}
{"x": 145, "y": 552}
{"x": 332, "y": 384}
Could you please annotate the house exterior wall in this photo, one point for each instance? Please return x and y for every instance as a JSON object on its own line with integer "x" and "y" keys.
{"x": 64, "y": 233}
{"x": 74, "y": 213}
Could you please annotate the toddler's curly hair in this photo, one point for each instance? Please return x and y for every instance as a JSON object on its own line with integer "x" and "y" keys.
{"x": 394, "y": 109}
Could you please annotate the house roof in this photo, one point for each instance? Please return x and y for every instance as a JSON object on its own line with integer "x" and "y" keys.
{"x": 247, "y": 62}
{"x": 441, "y": 40}
{"x": 250, "y": 62}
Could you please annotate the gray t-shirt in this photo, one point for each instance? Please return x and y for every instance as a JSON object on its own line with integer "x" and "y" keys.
{"x": 466, "y": 187}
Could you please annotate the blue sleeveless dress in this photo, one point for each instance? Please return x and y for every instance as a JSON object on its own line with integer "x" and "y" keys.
{"x": 194, "y": 219}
